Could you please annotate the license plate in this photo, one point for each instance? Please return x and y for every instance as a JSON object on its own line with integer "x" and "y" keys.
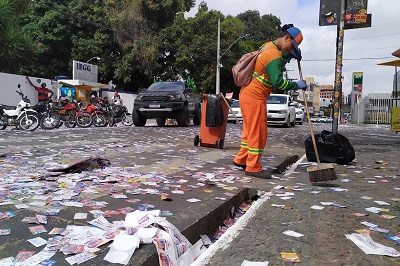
{"x": 154, "y": 105}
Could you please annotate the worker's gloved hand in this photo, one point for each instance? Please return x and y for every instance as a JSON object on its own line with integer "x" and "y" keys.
{"x": 296, "y": 54}
{"x": 301, "y": 85}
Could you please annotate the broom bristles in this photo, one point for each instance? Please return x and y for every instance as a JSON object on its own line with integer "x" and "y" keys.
{"x": 321, "y": 172}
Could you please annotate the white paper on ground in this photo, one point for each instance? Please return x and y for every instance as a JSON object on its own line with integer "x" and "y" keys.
{"x": 80, "y": 258}
{"x": 369, "y": 246}
{"x": 124, "y": 242}
{"x": 38, "y": 258}
{"x": 37, "y": 241}
{"x": 292, "y": 233}
{"x": 191, "y": 255}
{"x": 259, "y": 263}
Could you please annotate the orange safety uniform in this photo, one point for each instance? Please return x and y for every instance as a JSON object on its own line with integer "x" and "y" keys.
{"x": 253, "y": 105}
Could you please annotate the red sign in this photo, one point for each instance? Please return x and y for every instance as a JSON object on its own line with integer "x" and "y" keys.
{"x": 359, "y": 86}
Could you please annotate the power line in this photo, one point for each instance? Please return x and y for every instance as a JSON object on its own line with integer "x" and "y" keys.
{"x": 347, "y": 40}
{"x": 348, "y": 59}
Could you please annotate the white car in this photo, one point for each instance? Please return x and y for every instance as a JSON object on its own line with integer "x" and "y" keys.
{"x": 236, "y": 109}
{"x": 281, "y": 110}
{"x": 299, "y": 108}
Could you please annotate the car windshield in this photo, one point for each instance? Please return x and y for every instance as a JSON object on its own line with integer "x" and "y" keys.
{"x": 274, "y": 99}
{"x": 166, "y": 86}
{"x": 235, "y": 104}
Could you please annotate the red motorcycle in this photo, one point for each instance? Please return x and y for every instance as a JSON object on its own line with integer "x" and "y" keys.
{"x": 98, "y": 115}
{"x": 72, "y": 114}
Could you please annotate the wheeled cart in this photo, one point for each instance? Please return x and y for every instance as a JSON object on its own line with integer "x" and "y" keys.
{"x": 212, "y": 136}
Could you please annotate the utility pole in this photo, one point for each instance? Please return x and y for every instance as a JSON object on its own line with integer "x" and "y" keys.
{"x": 338, "y": 69}
{"x": 217, "y": 82}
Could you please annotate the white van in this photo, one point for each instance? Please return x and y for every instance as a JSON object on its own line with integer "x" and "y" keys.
{"x": 281, "y": 110}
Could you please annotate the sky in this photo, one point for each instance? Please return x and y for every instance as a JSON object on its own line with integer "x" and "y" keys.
{"x": 319, "y": 44}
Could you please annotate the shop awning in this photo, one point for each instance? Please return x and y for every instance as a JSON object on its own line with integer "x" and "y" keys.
{"x": 79, "y": 82}
{"x": 396, "y": 53}
{"x": 391, "y": 63}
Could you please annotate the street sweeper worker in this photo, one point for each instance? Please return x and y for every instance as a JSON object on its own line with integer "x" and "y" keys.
{"x": 266, "y": 76}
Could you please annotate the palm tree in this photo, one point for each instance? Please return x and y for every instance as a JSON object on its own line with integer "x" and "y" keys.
{"x": 15, "y": 47}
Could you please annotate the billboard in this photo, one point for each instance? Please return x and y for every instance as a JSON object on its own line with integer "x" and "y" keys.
{"x": 84, "y": 71}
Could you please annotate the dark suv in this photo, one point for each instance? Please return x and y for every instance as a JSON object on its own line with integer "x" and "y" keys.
{"x": 170, "y": 99}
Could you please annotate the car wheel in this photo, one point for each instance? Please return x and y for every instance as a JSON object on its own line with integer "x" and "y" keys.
{"x": 138, "y": 119}
{"x": 183, "y": 118}
{"x": 161, "y": 121}
{"x": 197, "y": 116}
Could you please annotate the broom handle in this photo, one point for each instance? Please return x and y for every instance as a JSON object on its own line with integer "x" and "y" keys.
{"x": 308, "y": 117}
{"x": 230, "y": 109}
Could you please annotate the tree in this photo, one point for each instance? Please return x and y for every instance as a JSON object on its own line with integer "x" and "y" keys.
{"x": 48, "y": 25}
{"x": 16, "y": 48}
{"x": 137, "y": 25}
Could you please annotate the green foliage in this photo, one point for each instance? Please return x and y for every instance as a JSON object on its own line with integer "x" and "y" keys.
{"x": 138, "y": 40}
{"x": 16, "y": 48}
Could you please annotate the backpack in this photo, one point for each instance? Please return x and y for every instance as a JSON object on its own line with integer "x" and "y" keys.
{"x": 243, "y": 70}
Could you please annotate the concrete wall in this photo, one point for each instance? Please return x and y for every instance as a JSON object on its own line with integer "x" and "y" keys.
{"x": 127, "y": 97}
{"x": 9, "y": 84}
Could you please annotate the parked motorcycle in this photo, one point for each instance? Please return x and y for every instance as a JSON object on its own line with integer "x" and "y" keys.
{"x": 98, "y": 115}
{"x": 21, "y": 116}
{"x": 48, "y": 118}
{"x": 119, "y": 113}
{"x": 72, "y": 115}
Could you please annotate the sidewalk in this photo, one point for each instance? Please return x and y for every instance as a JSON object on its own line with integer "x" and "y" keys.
{"x": 373, "y": 177}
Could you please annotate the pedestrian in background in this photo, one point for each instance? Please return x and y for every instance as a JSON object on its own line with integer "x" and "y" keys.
{"x": 266, "y": 76}
{"x": 44, "y": 94}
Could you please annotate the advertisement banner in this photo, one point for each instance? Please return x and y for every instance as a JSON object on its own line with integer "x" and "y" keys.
{"x": 395, "y": 119}
{"x": 329, "y": 13}
{"x": 357, "y": 83}
{"x": 356, "y": 12}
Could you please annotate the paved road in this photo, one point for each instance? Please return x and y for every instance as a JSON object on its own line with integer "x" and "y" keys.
{"x": 153, "y": 158}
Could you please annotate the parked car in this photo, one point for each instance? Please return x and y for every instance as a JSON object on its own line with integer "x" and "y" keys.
{"x": 281, "y": 110}
{"x": 323, "y": 119}
{"x": 314, "y": 118}
{"x": 299, "y": 108}
{"x": 330, "y": 119}
{"x": 236, "y": 109}
{"x": 169, "y": 99}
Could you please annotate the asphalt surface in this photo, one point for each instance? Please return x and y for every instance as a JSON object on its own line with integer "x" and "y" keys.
{"x": 150, "y": 161}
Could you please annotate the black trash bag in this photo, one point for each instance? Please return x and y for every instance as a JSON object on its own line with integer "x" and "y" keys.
{"x": 214, "y": 113}
{"x": 332, "y": 148}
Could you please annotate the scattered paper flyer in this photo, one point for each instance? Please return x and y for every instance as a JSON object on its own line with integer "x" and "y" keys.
{"x": 193, "y": 200}
{"x": 316, "y": 207}
{"x": 255, "y": 263}
{"x": 290, "y": 256}
{"x": 292, "y": 233}
{"x": 37, "y": 241}
{"x": 80, "y": 216}
{"x": 369, "y": 246}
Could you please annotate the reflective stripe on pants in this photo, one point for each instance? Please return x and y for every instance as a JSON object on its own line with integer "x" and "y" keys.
{"x": 254, "y": 135}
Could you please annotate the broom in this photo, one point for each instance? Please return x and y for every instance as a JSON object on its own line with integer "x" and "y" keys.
{"x": 319, "y": 172}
